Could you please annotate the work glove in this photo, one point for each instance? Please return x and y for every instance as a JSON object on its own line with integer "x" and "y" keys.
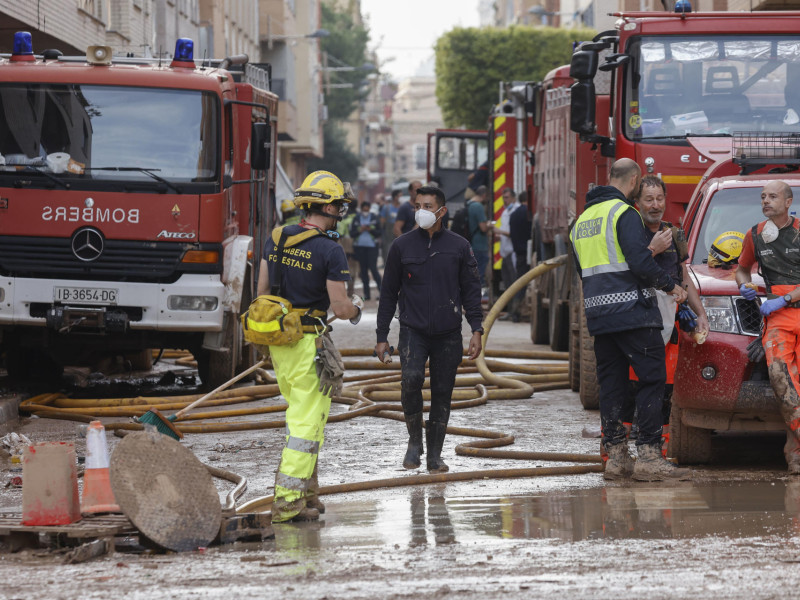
{"x": 770, "y": 306}
{"x": 746, "y": 292}
{"x": 358, "y": 302}
{"x": 755, "y": 350}
{"x": 330, "y": 368}
{"x": 687, "y": 318}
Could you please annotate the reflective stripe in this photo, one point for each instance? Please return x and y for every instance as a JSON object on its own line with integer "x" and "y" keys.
{"x": 611, "y": 237}
{"x": 301, "y": 445}
{"x": 616, "y": 298}
{"x": 291, "y": 483}
{"x": 262, "y": 327}
{"x": 615, "y": 268}
{"x": 649, "y": 292}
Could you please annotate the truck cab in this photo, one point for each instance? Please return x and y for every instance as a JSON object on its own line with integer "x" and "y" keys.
{"x": 716, "y": 387}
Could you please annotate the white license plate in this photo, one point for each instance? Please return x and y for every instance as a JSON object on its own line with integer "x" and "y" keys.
{"x": 85, "y": 295}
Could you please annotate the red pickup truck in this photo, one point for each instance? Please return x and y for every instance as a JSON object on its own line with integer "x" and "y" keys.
{"x": 716, "y": 387}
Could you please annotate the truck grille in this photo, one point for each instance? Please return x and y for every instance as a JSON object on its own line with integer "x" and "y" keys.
{"x": 749, "y": 316}
{"x": 121, "y": 260}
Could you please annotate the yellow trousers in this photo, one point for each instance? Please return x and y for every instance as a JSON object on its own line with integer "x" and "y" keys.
{"x": 305, "y": 423}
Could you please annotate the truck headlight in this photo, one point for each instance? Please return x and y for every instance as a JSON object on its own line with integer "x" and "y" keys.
{"x": 719, "y": 310}
{"x": 202, "y": 303}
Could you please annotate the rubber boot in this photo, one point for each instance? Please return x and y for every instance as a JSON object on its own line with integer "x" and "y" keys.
{"x": 414, "y": 426}
{"x": 620, "y": 463}
{"x": 312, "y": 494}
{"x": 434, "y": 438}
{"x": 285, "y": 512}
{"x": 792, "y": 453}
{"x": 652, "y": 466}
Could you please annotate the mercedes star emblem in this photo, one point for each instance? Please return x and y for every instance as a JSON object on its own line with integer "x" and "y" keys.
{"x": 87, "y": 244}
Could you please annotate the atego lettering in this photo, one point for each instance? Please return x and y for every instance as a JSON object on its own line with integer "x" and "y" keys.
{"x": 76, "y": 214}
{"x": 176, "y": 235}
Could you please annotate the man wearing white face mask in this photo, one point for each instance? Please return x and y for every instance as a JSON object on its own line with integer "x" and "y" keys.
{"x": 775, "y": 245}
{"x": 432, "y": 273}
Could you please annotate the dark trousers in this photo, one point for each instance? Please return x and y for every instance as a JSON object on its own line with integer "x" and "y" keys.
{"x": 368, "y": 260}
{"x": 444, "y": 352}
{"x": 642, "y": 349}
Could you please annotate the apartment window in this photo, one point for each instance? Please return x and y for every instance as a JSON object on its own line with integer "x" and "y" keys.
{"x": 420, "y": 157}
{"x": 93, "y": 7}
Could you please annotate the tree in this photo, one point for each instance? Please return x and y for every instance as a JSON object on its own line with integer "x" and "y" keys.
{"x": 346, "y": 46}
{"x": 338, "y": 158}
{"x": 471, "y": 62}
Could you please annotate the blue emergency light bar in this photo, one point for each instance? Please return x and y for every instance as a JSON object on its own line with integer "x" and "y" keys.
{"x": 23, "y": 45}
{"x": 683, "y": 6}
{"x": 184, "y": 50}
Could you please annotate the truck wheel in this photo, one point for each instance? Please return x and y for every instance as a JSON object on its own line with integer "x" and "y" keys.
{"x": 688, "y": 445}
{"x": 538, "y": 311}
{"x": 247, "y": 353}
{"x": 589, "y": 388}
{"x": 559, "y": 319}
{"x": 215, "y": 367}
{"x": 575, "y": 312}
{"x": 32, "y": 365}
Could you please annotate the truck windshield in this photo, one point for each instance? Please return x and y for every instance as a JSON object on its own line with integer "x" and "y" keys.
{"x": 89, "y": 132}
{"x": 732, "y": 209}
{"x": 711, "y": 85}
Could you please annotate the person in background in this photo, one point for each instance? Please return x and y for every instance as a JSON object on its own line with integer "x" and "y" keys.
{"x": 289, "y": 213}
{"x": 775, "y": 245}
{"x": 404, "y": 222}
{"x": 432, "y": 273}
{"x": 387, "y": 218}
{"x": 508, "y": 270}
{"x": 619, "y": 279}
{"x": 520, "y": 232}
{"x": 346, "y": 242}
{"x": 476, "y": 179}
{"x": 479, "y": 232}
{"x": 366, "y": 234}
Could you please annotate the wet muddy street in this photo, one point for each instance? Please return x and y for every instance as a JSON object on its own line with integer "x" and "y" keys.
{"x": 733, "y": 531}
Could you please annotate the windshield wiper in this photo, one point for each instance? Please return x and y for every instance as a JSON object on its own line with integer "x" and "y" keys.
{"x": 50, "y": 176}
{"x": 709, "y": 135}
{"x": 144, "y": 170}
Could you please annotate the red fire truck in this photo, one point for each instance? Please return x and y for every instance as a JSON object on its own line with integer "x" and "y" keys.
{"x": 653, "y": 89}
{"x": 135, "y": 196}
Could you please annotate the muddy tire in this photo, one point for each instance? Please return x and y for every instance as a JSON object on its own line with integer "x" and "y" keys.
{"x": 28, "y": 365}
{"x": 575, "y": 312}
{"x": 688, "y": 445}
{"x": 558, "y": 322}
{"x": 215, "y": 367}
{"x": 540, "y": 324}
{"x": 247, "y": 353}
{"x": 589, "y": 388}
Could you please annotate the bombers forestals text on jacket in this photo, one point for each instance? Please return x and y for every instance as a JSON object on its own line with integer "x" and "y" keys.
{"x": 430, "y": 278}
{"x": 643, "y": 274}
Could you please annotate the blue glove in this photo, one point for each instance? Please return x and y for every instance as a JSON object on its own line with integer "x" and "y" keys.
{"x": 747, "y": 293}
{"x": 770, "y": 306}
{"x": 686, "y": 317}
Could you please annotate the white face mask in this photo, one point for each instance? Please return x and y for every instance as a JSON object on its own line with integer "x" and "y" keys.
{"x": 770, "y": 232}
{"x": 425, "y": 218}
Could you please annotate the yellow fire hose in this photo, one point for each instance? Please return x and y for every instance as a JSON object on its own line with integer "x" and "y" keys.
{"x": 372, "y": 394}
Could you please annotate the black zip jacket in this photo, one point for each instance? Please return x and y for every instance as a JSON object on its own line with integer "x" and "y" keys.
{"x": 431, "y": 278}
{"x": 643, "y": 269}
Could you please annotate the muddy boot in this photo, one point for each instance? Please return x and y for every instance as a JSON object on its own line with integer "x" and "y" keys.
{"x": 792, "y": 453}
{"x": 285, "y": 512}
{"x": 620, "y": 463}
{"x": 651, "y": 466}
{"x": 434, "y": 439}
{"x": 312, "y": 494}
{"x": 414, "y": 426}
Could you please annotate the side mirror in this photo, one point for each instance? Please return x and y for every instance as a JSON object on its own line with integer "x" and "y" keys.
{"x": 582, "y": 108}
{"x": 583, "y": 64}
{"x": 260, "y": 146}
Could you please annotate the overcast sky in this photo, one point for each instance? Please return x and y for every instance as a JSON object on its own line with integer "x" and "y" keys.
{"x": 407, "y": 30}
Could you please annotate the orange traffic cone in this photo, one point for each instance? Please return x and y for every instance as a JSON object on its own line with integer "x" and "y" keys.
{"x": 97, "y": 495}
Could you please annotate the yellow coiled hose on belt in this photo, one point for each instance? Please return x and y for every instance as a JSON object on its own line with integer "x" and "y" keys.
{"x": 374, "y": 394}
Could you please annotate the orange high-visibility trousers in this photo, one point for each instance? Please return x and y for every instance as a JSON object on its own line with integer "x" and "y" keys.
{"x": 782, "y": 348}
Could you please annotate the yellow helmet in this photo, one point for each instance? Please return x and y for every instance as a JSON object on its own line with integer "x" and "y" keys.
{"x": 725, "y": 249}
{"x": 287, "y": 206}
{"x": 320, "y": 187}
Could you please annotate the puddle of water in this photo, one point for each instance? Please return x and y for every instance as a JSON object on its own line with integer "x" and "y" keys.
{"x": 665, "y": 511}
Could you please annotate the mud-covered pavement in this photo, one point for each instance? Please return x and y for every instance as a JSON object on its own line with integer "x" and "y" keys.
{"x": 734, "y": 531}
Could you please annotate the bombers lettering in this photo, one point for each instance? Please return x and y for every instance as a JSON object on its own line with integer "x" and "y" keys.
{"x": 87, "y": 214}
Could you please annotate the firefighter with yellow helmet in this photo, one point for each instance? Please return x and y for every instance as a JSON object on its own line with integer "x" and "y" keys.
{"x": 290, "y": 214}
{"x": 304, "y": 270}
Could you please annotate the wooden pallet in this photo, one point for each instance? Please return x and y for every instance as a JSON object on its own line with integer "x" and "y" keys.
{"x": 15, "y": 535}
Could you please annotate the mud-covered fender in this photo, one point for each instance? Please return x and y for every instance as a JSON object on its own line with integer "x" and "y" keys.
{"x": 236, "y": 252}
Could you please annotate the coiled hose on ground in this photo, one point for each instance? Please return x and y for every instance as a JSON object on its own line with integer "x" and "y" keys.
{"x": 367, "y": 394}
